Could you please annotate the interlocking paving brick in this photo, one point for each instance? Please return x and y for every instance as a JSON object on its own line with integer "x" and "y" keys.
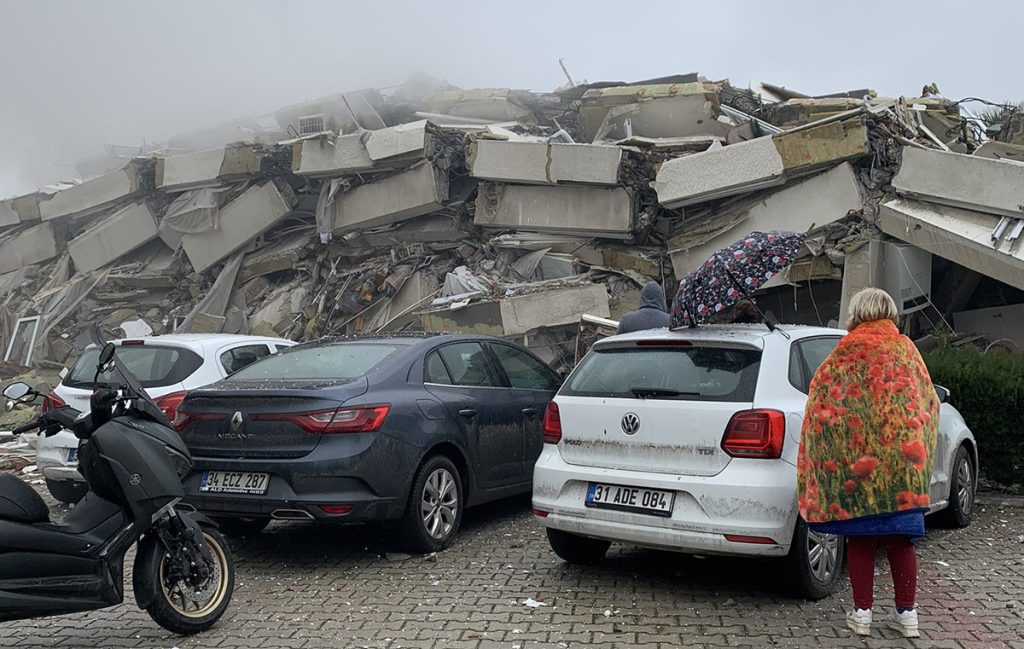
{"x": 312, "y": 587}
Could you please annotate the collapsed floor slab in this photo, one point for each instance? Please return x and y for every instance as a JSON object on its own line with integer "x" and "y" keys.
{"x": 114, "y": 237}
{"x": 970, "y": 182}
{"x": 542, "y": 163}
{"x": 207, "y": 168}
{"x": 323, "y": 156}
{"x": 92, "y": 196}
{"x": 816, "y": 201}
{"x": 565, "y": 209}
{"x": 32, "y": 246}
{"x": 403, "y": 196}
{"x": 242, "y": 220}
{"x": 960, "y": 235}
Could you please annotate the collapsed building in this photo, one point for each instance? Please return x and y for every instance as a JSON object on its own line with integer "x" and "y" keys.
{"x": 525, "y": 215}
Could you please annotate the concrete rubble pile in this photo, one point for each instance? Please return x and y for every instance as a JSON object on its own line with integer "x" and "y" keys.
{"x": 516, "y": 214}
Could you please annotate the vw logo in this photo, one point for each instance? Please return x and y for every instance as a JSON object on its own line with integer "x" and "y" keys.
{"x": 630, "y": 423}
{"x": 236, "y": 422}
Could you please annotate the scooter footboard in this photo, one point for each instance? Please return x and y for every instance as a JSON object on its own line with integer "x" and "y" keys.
{"x": 57, "y": 584}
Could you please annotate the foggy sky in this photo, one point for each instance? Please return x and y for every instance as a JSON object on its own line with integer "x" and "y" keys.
{"x": 76, "y": 75}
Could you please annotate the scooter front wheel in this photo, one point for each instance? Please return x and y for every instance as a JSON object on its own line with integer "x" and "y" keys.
{"x": 188, "y": 606}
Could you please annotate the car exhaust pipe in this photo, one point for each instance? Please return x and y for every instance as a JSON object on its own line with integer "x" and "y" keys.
{"x": 291, "y": 515}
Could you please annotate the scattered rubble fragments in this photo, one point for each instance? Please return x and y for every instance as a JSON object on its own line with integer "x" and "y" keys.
{"x": 529, "y": 215}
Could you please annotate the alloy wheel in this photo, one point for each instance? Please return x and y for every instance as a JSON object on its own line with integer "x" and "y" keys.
{"x": 197, "y": 600}
{"x": 822, "y": 554}
{"x": 965, "y": 482}
{"x": 439, "y": 504}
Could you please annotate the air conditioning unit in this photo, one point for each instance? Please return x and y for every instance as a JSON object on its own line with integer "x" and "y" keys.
{"x": 311, "y": 124}
{"x": 907, "y": 276}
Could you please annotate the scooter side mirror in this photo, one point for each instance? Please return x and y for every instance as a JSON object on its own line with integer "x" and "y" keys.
{"x": 106, "y": 355}
{"x": 18, "y": 391}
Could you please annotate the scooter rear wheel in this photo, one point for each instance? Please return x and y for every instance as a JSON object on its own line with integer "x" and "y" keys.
{"x": 186, "y": 608}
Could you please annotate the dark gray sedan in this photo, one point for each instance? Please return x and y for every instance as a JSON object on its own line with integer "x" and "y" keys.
{"x": 389, "y": 428}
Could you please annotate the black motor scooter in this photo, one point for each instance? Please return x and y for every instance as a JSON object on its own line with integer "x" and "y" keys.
{"x": 133, "y": 463}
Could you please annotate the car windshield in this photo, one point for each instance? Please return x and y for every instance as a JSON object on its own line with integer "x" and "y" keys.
{"x": 687, "y": 373}
{"x": 155, "y": 366}
{"x": 327, "y": 362}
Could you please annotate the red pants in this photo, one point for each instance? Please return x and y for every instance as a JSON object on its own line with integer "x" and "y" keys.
{"x": 860, "y": 559}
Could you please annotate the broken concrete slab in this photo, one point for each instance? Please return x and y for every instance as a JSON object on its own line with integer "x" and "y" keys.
{"x": 113, "y": 238}
{"x": 208, "y": 168}
{"x": 756, "y": 164}
{"x": 404, "y": 140}
{"x": 966, "y": 181}
{"x": 8, "y": 215}
{"x": 27, "y": 206}
{"x": 542, "y": 163}
{"x": 593, "y": 211}
{"x": 242, "y": 220}
{"x": 816, "y": 201}
{"x": 278, "y": 256}
{"x": 959, "y": 235}
{"x": 94, "y": 195}
{"x": 1001, "y": 151}
{"x": 412, "y": 193}
{"x": 324, "y": 156}
{"x": 520, "y": 314}
{"x": 31, "y": 246}
{"x": 660, "y": 110}
{"x": 998, "y": 323}
{"x": 485, "y": 104}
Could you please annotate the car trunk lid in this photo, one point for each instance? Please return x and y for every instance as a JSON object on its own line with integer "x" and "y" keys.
{"x": 258, "y": 419}
{"x": 658, "y": 408}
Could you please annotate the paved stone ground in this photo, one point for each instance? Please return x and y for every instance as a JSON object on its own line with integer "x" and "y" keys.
{"x": 308, "y": 586}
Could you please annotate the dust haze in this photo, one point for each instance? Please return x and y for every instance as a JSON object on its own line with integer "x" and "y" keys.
{"x": 76, "y": 76}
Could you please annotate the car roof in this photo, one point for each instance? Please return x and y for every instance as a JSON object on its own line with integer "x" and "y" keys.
{"x": 411, "y": 338}
{"x": 749, "y": 334}
{"x": 203, "y": 341}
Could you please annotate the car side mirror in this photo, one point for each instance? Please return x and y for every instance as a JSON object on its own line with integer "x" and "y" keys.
{"x": 17, "y": 391}
{"x": 943, "y": 394}
{"x": 106, "y": 355}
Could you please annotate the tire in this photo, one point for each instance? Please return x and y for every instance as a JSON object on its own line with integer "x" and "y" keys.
{"x": 434, "y": 511}
{"x": 576, "y": 549}
{"x": 172, "y": 613}
{"x": 68, "y": 492}
{"x": 962, "y": 491}
{"x": 816, "y": 562}
{"x": 242, "y": 527}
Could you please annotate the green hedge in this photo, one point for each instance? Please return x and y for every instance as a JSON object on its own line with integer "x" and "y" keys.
{"x": 988, "y": 390}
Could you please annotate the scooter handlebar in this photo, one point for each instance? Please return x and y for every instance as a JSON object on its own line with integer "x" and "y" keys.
{"x": 26, "y": 428}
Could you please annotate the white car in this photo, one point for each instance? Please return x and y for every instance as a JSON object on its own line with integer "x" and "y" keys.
{"x": 168, "y": 366}
{"x": 687, "y": 440}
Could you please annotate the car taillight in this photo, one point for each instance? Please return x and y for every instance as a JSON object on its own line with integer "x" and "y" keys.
{"x": 755, "y": 434}
{"x": 360, "y": 419}
{"x": 169, "y": 403}
{"x": 52, "y": 402}
{"x": 552, "y": 424}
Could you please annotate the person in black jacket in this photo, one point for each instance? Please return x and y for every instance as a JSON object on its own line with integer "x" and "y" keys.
{"x": 651, "y": 314}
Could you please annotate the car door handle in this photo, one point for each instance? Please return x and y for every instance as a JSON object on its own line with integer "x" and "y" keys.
{"x": 529, "y": 412}
{"x": 468, "y": 413}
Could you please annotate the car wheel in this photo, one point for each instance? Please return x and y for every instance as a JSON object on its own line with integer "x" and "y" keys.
{"x": 816, "y": 560}
{"x": 239, "y": 527}
{"x": 962, "y": 490}
{"x": 434, "y": 512}
{"x": 68, "y": 492}
{"x": 573, "y": 548}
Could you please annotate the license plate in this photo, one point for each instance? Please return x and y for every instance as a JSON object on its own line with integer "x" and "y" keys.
{"x": 630, "y": 499}
{"x": 72, "y": 455}
{"x": 234, "y": 482}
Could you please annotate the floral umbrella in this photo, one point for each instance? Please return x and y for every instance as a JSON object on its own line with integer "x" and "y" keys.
{"x": 731, "y": 274}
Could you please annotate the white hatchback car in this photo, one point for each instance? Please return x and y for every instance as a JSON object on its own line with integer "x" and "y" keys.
{"x": 687, "y": 440}
{"x": 168, "y": 366}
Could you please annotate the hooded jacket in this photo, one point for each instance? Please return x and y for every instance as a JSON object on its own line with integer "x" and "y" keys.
{"x": 652, "y": 314}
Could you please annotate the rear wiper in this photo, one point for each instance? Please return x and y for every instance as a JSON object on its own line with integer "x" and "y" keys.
{"x": 643, "y": 393}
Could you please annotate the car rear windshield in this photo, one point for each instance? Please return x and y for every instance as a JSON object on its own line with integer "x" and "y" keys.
{"x": 686, "y": 373}
{"x": 155, "y": 366}
{"x": 327, "y": 362}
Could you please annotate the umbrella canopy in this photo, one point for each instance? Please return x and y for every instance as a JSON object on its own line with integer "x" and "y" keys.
{"x": 731, "y": 274}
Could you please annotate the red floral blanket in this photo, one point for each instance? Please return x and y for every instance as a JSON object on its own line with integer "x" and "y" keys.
{"x": 869, "y": 429}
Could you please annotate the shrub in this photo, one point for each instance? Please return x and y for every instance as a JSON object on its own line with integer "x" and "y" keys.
{"x": 988, "y": 390}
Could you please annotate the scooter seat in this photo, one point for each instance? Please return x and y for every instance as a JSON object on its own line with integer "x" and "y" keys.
{"x": 19, "y": 503}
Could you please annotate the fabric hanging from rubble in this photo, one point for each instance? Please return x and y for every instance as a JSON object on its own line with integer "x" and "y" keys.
{"x": 208, "y": 316}
{"x": 193, "y": 211}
